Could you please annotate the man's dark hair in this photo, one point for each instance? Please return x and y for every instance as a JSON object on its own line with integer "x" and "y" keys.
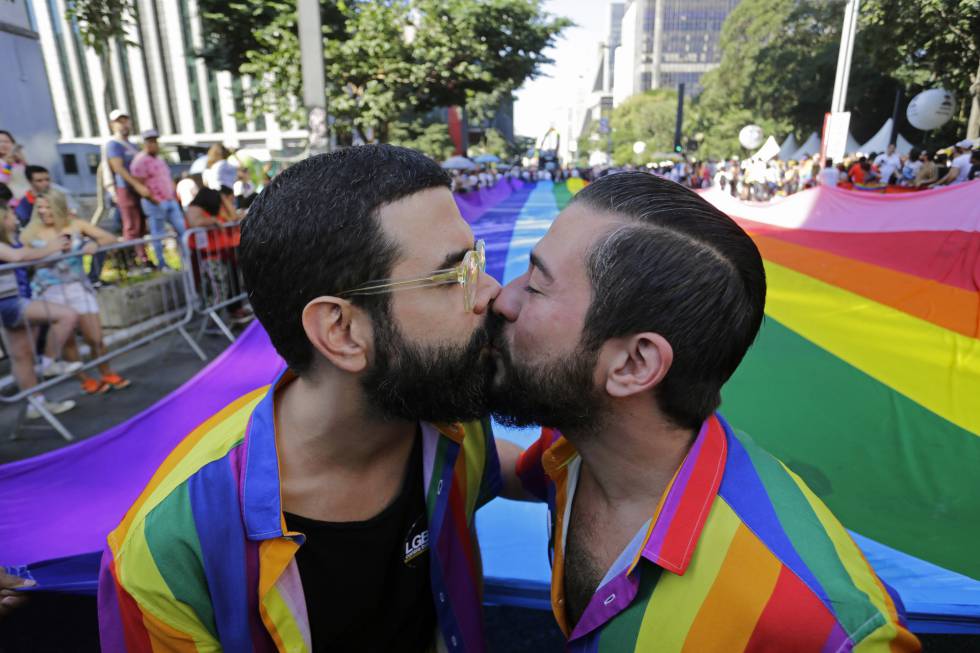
{"x": 681, "y": 268}
{"x": 314, "y": 231}
{"x": 30, "y": 171}
{"x": 8, "y": 135}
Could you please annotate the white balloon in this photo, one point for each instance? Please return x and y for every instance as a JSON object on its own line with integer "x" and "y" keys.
{"x": 751, "y": 136}
{"x": 931, "y": 109}
{"x": 639, "y": 147}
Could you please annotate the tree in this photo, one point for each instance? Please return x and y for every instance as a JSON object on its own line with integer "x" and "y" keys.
{"x": 384, "y": 59}
{"x": 780, "y": 60}
{"x": 99, "y": 23}
{"x": 647, "y": 117}
{"x": 430, "y": 138}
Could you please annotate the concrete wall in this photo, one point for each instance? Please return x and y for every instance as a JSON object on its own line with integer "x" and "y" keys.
{"x": 26, "y": 109}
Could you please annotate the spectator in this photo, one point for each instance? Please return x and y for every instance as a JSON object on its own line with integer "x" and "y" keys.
{"x": 888, "y": 163}
{"x": 220, "y": 175}
{"x": 127, "y": 189}
{"x": 65, "y": 282}
{"x": 942, "y": 163}
{"x": 17, "y": 312}
{"x": 928, "y": 173}
{"x": 911, "y": 167}
{"x": 187, "y": 188}
{"x": 244, "y": 189}
{"x": 959, "y": 170}
{"x": 12, "y": 166}
{"x": 40, "y": 181}
{"x": 215, "y": 263}
{"x": 829, "y": 175}
{"x": 855, "y": 173}
{"x": 161, "y": 208}
{"x": 974, "y": 166}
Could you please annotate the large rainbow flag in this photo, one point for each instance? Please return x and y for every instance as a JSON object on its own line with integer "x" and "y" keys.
{"x": 864, "y": 380}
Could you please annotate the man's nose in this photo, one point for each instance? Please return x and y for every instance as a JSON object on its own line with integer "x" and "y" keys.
{"x": 487, "y": 290}
{"x": 509, "y": 301}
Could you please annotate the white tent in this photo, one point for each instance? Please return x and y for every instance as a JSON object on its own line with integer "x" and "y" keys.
{"x": 788, "y": 147}
{"x": 810, "y": 147}
{"x": 768, "y": 150}
{"x": 879, "y": 142}
{"x": 852, "y": 144}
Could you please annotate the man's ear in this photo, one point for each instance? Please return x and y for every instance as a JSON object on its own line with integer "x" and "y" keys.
{"x": 339, "y": 331}
{"x": 637, "y": 363}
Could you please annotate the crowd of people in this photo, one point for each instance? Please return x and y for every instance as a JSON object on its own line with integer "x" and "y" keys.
{"x": 42, "y": 306}
{"x": 760, "y": 180}
{"x": 372, "y": 450}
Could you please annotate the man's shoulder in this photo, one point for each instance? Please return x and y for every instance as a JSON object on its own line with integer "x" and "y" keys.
{"x": 799, "y": 533}
{"x": 209, "y": 455}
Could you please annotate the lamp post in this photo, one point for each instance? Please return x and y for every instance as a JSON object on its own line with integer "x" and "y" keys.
{"x": 844, "y": 56}
{"x": 311, "y": 64}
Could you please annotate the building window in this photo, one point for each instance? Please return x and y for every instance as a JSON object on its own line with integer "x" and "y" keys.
{"x": 127, "y": 85}
{"x": 93, "y": 162}
{"x": 59, "y": 41}
{"x": 189, "y": 58}
{"x": 168, "y": 72}
{"x": 646, "y": 81}
{"x": 70, "y": 164}
{"x": 215, "y": 103}
{"x": 87, "y": 90}
{"x": 236, "y": 91}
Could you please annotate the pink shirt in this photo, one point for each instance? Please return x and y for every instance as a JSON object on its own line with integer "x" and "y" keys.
{"x": 155, "y": 173}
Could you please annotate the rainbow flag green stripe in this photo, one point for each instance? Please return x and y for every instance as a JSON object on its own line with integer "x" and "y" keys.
{"x": 849, "y": 441}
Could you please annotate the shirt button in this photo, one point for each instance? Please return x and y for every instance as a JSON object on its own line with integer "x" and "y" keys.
{"x": 609, "y": 599}
{"x": 452, "y": 640}
{"x": 442, "y": 597}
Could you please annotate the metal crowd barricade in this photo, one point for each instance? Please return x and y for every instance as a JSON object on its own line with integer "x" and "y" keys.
{"x": 212, "y": 274}
{"x": 136, "y": 304}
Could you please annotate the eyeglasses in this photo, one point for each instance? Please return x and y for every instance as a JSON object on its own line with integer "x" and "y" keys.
{"x": 466, "y": 274}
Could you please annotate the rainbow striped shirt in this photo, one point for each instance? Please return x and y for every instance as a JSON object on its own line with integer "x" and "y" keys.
{"x": 739, "y": 555}
{"x": 203, "y": 561}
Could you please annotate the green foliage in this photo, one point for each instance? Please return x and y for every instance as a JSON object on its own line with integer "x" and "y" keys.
{"x": 431, "y": 139}
{"x": 780, "y": 59}
{"x": 101, "y": 21}
{"x": 385, "y": 59}
{"x": 494, "y": 143}
{"x": 647, "y": 117}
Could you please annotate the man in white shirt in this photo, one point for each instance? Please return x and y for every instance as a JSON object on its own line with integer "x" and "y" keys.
{"x": 888, "y": 163}
{"x": 829, "y": 174}
{"x": 959, "y": 170}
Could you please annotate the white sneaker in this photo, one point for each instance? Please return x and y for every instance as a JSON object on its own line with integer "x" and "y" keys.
{"x": 54, "y": 407}
{"x": 59, "y": 368}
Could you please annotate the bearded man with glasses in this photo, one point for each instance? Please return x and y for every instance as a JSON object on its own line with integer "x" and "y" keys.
{"x": 334, "y": 509}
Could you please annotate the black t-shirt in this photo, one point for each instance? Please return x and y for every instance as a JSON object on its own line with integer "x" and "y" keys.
{"x": 208, "y": 199}
{"x": 367, "y": 583}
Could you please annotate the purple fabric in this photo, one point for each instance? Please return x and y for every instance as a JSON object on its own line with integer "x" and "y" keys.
{"x": 493, "y": 218}
{"x": 65, "y": 502}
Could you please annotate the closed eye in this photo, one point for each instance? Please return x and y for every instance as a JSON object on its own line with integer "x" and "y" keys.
{"x": 532, "y": 291}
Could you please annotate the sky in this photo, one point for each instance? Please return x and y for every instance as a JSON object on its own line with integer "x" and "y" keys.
{"x": 544, "y": 101}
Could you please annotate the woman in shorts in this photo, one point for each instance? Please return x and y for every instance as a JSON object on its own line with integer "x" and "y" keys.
{"x": 17, "y": 312}
{"x": 65, "y": 282}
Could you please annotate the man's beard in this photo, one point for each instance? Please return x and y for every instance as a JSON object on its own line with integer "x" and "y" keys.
{"x": 559, "y": 393}
{"x": 440, "y": 383}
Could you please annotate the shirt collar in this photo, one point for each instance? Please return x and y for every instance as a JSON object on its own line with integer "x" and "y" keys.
{"x": 680, "y": 515}
{"x": 261, "y": 492}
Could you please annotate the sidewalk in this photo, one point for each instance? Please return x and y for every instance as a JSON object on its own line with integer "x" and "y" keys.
{"x": 155, "y": 370}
